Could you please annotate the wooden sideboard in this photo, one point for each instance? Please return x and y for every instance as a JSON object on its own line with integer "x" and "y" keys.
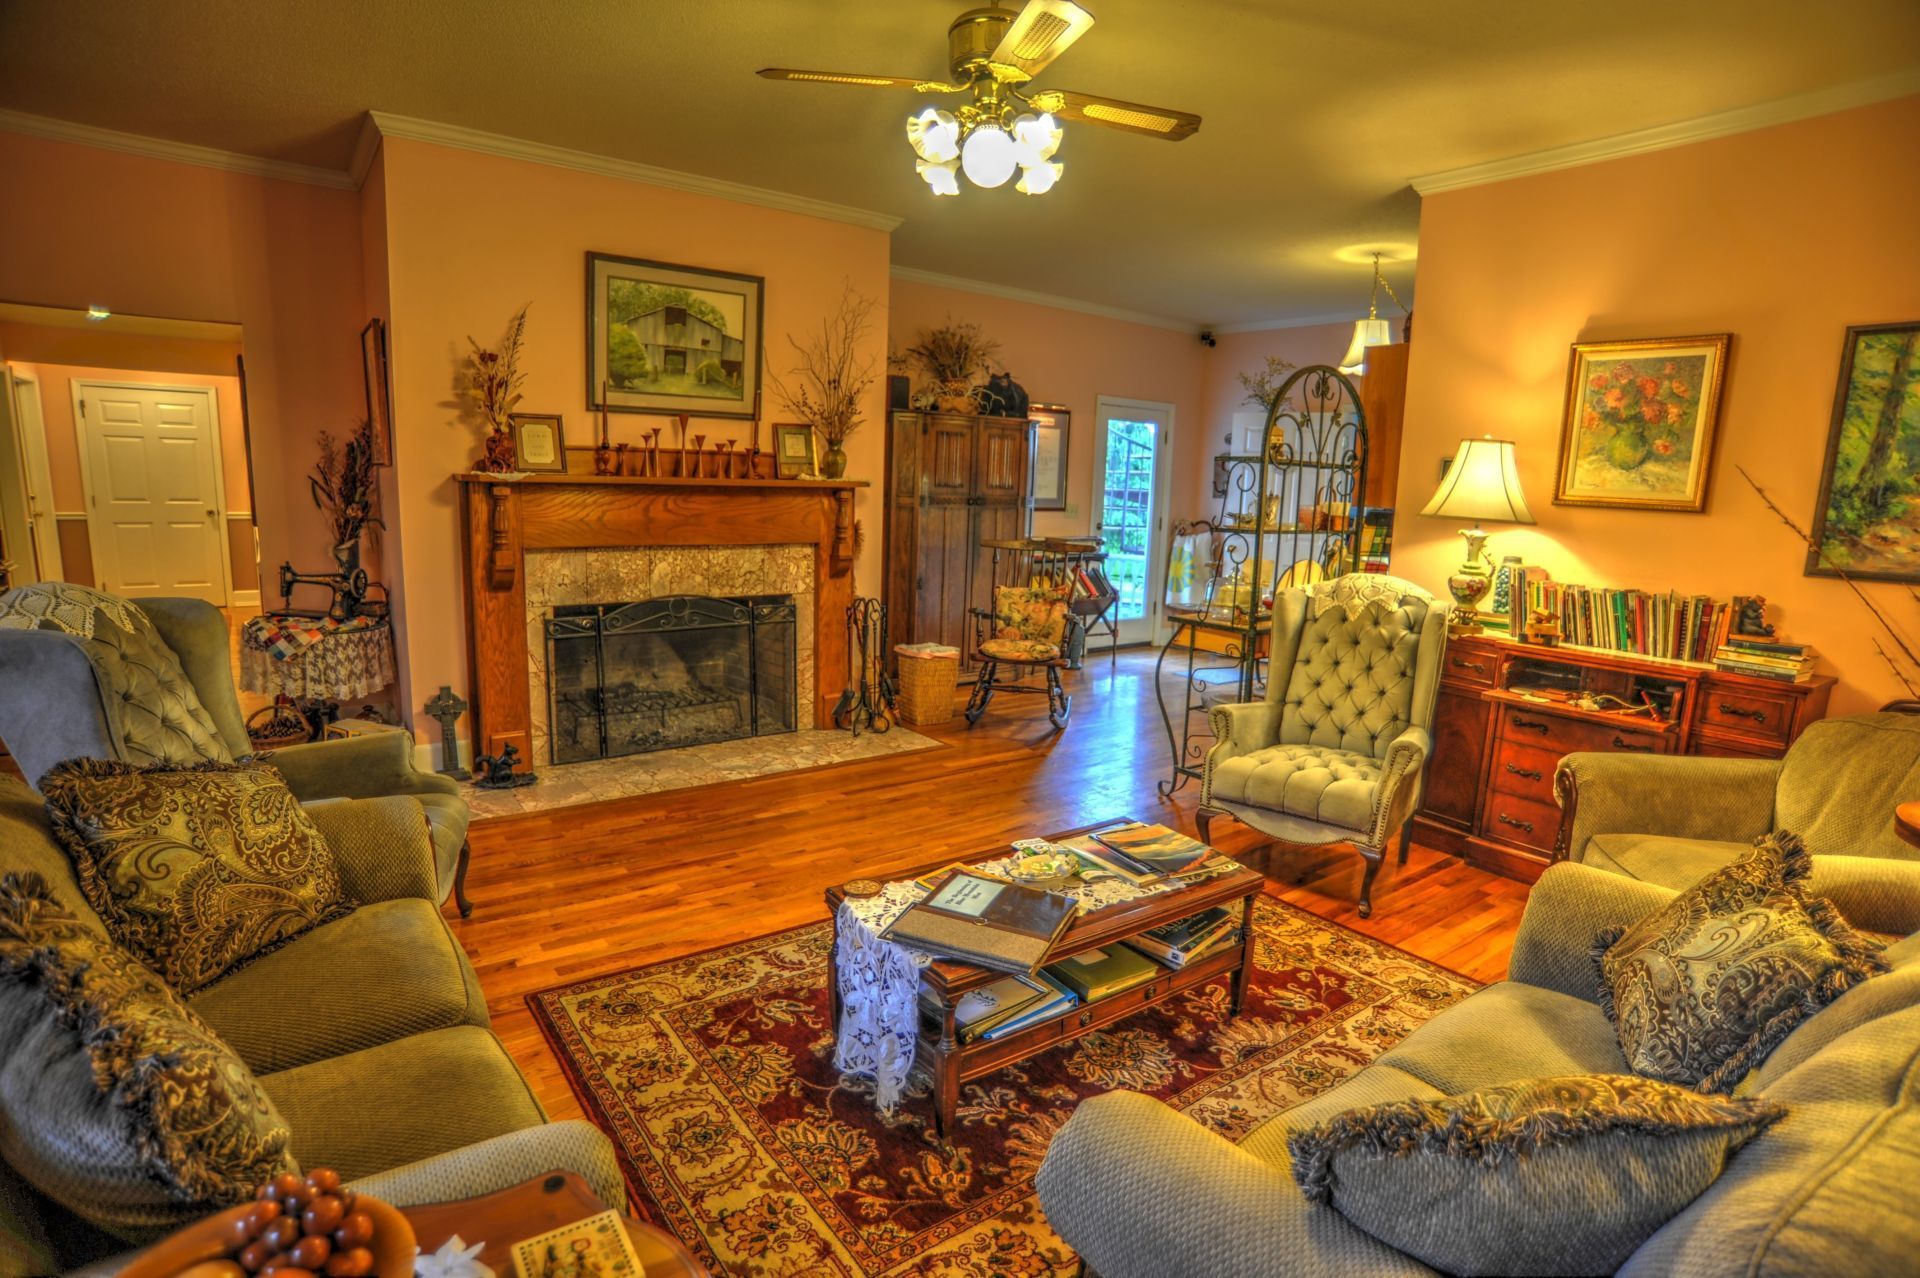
{"x": 1499, "y": 733}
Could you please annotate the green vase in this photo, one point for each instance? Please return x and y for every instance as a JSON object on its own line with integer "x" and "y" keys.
{"x": 1627, "y": 449}
{"x": 833, "y": 462}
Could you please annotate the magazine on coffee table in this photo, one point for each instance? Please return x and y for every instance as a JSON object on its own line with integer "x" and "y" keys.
{"x": 978, "y": 919}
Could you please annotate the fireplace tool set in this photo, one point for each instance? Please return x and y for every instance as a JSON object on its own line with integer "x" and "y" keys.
{"x": 868, "y": 699}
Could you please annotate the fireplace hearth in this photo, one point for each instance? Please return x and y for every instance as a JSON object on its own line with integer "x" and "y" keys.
{"x": 683, "y": 670}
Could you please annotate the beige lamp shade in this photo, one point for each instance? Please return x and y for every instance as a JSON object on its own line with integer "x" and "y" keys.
{"x": 1482, "y": 483}
{"x": 1372, "y": 331}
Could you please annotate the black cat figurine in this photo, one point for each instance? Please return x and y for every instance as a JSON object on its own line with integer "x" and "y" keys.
{"x": 1003, "y": 397}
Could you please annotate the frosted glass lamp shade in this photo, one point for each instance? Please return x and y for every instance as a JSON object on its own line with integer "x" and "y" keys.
{"x": 1037, "y": 137}
{"x": 1372, "y": 331}
{"x": 1038, "y": 179}
{"x": 1482, "y": 483}
{"x": 987, "y": 156}
{"x": 934, "y": 135}
{"x": 941, "y": 177}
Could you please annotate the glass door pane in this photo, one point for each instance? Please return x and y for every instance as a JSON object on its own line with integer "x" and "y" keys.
{"x": 1129, "y": 514}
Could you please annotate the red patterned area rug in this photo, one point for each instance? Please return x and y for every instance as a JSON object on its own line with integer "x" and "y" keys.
{"x": 713, "y": 1075}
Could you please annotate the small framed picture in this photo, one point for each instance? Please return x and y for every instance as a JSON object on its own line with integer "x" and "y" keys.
{"x": 373, "y": 359}
{"x": 538, "y": 443}
{"x": 793, "y": 455}
{"x": 1051, "y": 424}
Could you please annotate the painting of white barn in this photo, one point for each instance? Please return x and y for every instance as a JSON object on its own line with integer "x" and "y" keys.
{"x": 672, "y": 339}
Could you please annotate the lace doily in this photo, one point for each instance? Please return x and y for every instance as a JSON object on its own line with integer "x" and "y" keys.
{"x": 879, "y": 980}
{"x": 58, "y": 605}
{"x": 1355, "y": 592}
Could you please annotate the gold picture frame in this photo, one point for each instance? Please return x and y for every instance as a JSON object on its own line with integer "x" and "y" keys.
{"x": 793, "y": 451}
{"x": 539, "y": 443}
{"x": 1639, "y": 424}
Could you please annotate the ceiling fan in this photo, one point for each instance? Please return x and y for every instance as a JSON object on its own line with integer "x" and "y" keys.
{"x": 1004, "y": 125}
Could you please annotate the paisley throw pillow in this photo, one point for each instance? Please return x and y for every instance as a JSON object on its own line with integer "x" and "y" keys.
{"x": 196, "y": 869}
{"x": 116, "y": 1100}
{"x": 1545, "y": 1176}
{"x": 1703, "y": 989}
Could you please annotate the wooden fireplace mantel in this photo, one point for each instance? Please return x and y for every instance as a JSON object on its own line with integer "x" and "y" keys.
{"x": 503, "y": 519}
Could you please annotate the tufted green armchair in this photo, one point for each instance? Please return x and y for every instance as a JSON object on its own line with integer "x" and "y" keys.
{"x": 1337, "y": 751}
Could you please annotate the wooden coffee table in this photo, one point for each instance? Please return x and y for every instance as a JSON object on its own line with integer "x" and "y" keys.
{"x": 953, "y": 1062}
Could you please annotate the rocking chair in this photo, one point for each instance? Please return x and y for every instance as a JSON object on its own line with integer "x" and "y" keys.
{"x": 1026, "y": 630}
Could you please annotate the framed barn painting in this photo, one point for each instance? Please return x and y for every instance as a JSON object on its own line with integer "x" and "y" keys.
{"x": 1868, "y": 522}
{"x": 672, "y": 339}
{"x": 1639, "y": 423}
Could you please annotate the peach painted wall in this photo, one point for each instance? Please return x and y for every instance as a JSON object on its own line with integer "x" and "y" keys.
{"x": 81, "y": 225}
{"x": 1224, "y": 395}
{"x": 470, "y": 238}
{"x": 1783, "y": 237}
{"x": 1072, "y": 358}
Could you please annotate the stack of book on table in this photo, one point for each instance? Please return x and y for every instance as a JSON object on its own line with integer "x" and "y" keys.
{"x": 1143, "y": 854}
{"x": 1006, "y": 1006}
{"x": 1765, "y": 659}
{"x": 1180, "y": 943}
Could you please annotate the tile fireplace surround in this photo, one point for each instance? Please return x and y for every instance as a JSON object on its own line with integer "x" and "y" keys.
{"x": 543, "y": 539}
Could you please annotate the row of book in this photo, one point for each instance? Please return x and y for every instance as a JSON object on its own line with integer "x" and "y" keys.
{"x": 1786, "y": 662}
{"x": 1671, "y": 625}
{"x": 1020, "y": 1000}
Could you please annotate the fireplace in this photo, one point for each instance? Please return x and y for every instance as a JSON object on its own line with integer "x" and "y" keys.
{"x": 680, "y": 670}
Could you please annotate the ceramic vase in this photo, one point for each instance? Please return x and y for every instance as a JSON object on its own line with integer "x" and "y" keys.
{"x": 833, "y": 462}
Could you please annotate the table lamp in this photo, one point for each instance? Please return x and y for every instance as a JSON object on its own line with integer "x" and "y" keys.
{"x": 1482, "y": 483}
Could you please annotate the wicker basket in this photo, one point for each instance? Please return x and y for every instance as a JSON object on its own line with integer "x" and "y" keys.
{"x": 928, "y": 675}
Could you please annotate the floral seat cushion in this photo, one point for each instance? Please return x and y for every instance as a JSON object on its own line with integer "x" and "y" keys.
{"x": 1029, "y": 624}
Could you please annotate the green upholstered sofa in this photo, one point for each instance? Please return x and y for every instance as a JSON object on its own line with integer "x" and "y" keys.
{"x": 55, "y": 705}
{"x": 370, "y": 1034}
{"x": 1142, "y": 1191}
{"x": 1673, "y": 819}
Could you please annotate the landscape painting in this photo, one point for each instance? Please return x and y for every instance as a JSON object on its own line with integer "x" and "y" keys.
{"x": 1868, "y": 521}
{"x": 672, "y": 339}
{"x": 1639, "y": 424}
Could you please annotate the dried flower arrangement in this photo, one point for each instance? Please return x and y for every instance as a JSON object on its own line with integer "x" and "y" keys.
{"x": 493, "y": 381}
{"x": 829, "y": 377}
{"x": 1263, "y": 387}
{"x": 342, "y": 485}
{"x": 1906, "y": 666}
{"x": 953, "y": 354}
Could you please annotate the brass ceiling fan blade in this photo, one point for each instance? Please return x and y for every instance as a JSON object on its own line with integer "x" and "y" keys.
{"x": 1149, "y": 121}
{"x": 1040, "y": 33}
{"x": 855, "y": 78}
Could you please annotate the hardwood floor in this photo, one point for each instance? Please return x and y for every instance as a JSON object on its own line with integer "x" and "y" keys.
{"x": 578, "y": 892}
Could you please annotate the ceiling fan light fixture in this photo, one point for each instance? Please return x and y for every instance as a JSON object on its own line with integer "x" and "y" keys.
{"x": 941, "y": 177}
{"x": 1037, "y": 137}
{"x": 934, "y": 135}
{"x": 1038, "y": 179}
{"x": 987, "y": 156}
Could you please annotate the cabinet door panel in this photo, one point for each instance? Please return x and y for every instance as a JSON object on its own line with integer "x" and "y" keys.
{"x": 943, "y": 567}
{"x": 1459, "y": 739}
{"x": 1000, "y": 464}
{"x": 947, "y": 454}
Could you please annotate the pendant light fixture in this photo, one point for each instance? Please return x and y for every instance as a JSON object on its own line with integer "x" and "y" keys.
{"x": 1371, "y": 331}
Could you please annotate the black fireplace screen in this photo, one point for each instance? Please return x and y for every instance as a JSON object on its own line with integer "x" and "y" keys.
{"x": 680, "y": 671}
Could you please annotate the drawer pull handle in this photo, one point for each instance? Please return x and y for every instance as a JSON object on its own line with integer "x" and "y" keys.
{"x": 1621, "y": 743}
{"x": 1528, "y": 773}
{"x": 1741, "y": 712}
{"x": 1086, "y": 1017}
{"x": 1464, "y": 664}
{"x": 1531, "y": 725}
{"x": 1516, "y": 823}
{"x": 1153, "y": 987}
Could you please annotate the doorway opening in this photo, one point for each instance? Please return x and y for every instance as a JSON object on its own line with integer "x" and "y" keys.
{"x": 1132, "y": 470}
{"x": 123, "y": 456}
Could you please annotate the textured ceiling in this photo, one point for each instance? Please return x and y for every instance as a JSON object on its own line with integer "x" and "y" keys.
{"x": 1317, "y": 112}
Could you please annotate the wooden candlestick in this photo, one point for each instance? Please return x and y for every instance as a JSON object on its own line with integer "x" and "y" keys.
{"x": 699, "y": 442}
{"x": 681, "y": 422}
{"x": 603, "y": 451}
{"x": 725, "y": 449}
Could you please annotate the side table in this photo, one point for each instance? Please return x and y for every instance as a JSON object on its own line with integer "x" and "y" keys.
{"x": 532, "y": 1208}
{"x": 1906, "y": 822}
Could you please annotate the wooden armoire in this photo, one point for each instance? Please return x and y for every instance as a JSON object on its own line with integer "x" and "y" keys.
{"x": 952, "y": 482}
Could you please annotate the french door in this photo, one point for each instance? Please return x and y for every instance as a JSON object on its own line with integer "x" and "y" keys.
{"x": 1132, "y": 464}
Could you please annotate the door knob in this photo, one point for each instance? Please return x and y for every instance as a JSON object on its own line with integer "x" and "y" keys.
{"x": 212, "y": 513}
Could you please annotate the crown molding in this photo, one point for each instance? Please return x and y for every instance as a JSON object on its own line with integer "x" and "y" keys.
{"x": 365, "y": 148}
{"x": 453, "y": 135}
{"x": 914, "y": 275}
{"x": 1307, "y": 321}
{"x": 206, "y": 157}
{"x": 1761, "y": 115}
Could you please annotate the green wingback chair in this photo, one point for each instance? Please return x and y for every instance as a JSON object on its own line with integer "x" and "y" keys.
{"x": 1337, "y": 750}
{"x": 118, "y": 694}
{"x": 1673, "y": 819}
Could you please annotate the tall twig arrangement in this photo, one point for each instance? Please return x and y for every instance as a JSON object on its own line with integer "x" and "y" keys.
{"x": 1263, "y": 387}
{"x": 830, "y": 377}
{"x": 1907, "y": 674}
{"x": 343, "y": 486}
{"x": 953, "y": 353}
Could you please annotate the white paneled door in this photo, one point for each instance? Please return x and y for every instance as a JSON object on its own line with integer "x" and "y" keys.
{"x": 151, "y": 457}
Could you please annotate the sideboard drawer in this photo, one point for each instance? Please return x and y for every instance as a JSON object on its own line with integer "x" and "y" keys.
{"x": 1523, "y": 821}
{"x": 1750, "y": 712}
{"x": 1469, "y": 664}
{"x": 1524, "y": 771}
{"x": 1558, "y": 735}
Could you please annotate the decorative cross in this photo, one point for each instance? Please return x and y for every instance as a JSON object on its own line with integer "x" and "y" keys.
{"x": 448, "y": 708}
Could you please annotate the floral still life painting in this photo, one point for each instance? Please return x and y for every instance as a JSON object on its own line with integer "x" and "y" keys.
{"x": 1639, "y": 425}
{"x": 1868, "y": 522}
